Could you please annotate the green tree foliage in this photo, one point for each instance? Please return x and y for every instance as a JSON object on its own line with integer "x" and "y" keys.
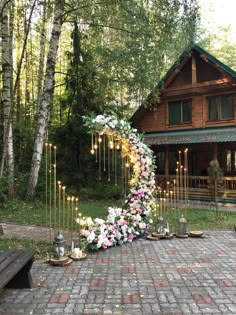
{"x": 221, "y": 45}
{"x": 133, "y": 42}
{"x": 119, "y": 49}
{"x": 81, "y": 97}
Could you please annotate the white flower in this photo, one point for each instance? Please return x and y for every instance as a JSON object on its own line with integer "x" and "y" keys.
{"x": 99, "y": 221}
{"x": 91, "y": 237}
{"x": 89, "y": 221}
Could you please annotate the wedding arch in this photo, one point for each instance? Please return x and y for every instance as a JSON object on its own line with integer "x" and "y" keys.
{"x": 132, "y": 219}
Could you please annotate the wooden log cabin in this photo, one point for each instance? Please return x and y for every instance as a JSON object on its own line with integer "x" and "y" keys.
{"x": 193, "y": 107}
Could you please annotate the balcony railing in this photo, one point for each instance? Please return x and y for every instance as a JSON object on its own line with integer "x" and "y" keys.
{"x": 201, "y": 188}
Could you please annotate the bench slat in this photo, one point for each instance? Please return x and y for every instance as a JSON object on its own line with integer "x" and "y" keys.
{"x": 14, "y": 261}
{"x": 6, "y": 258}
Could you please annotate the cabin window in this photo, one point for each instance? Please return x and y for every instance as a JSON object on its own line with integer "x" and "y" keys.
{"x": 221, "y": 107}
{"x": 180, "y": 112}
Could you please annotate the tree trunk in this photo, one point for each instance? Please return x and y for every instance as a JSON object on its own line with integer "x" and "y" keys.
{"x": 46, "y": 100}
{"x": 7, "y": 102}
{"x": 41, "y": 56}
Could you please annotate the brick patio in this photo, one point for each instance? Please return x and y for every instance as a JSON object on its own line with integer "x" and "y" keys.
{"x": 177, "y": 276}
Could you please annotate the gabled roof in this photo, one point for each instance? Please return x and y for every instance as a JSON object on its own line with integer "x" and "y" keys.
{"x": 175, "y": 65}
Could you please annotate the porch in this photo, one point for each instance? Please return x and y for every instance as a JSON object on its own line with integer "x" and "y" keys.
{"x": 194, "y": 149}
{"x": 200, "y": 188}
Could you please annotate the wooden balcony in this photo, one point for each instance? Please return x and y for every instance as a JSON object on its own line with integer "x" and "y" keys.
{"x": 200, "y": 187}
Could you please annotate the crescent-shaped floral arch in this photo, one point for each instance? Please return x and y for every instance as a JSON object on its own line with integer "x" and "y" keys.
{"x": 126, "y": 223}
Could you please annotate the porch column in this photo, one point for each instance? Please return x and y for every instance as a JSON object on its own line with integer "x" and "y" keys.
{"x": 166, "y": 161}
{"x": 215, "y": 151}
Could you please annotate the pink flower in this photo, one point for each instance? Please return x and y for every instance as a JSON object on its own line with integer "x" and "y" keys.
{"x": 130, "y": 237}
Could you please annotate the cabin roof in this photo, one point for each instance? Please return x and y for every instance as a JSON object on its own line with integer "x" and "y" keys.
{"x": 207, "y": 135}
{"x": 175, "y": 65}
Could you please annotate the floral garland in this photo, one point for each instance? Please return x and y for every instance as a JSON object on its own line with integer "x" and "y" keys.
{"x": 126, "y": 223}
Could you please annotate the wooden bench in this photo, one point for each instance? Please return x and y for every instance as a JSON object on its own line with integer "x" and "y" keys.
{"x": 15, "y": 268}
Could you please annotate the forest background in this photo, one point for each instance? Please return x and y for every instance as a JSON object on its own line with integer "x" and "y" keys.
{"x": 64, "y": 59}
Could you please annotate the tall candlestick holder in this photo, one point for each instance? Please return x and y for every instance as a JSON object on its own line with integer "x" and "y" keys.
{"x": 55, "y": 208}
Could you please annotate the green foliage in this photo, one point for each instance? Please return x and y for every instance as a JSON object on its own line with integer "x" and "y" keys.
{"x": 100, "y": 191}
{"x": 3, "y": 188}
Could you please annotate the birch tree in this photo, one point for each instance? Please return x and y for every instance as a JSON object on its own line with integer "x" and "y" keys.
{"x": 7, "y": 101}
{"x": 46, "y": 99}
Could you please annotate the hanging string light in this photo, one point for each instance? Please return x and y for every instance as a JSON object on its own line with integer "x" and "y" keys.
{"x": 92, "y": 145}
{"x": 104, "y": 153}
{"x": 109, "y": 161}
{"x": 99, "y": 158}
{"x": 96, "y": 147}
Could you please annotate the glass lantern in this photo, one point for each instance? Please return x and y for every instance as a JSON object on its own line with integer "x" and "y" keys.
{"x": 59, "y": 246}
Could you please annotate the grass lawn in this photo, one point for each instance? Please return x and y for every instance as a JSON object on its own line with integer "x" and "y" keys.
{"x": 33, "y": 213}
